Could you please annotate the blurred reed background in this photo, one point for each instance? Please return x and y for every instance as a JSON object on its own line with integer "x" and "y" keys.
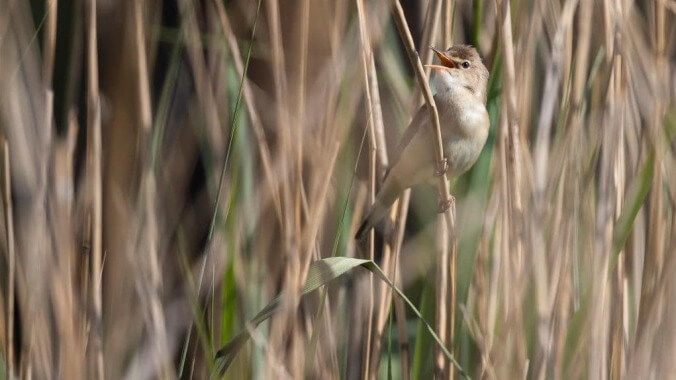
{"x": 154, "y": 202}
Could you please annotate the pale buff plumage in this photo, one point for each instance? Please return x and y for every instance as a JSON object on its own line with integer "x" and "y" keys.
{"x": 460, "y": 81}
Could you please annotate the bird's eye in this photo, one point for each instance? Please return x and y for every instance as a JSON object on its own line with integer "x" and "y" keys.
{"x": 465, "y": 65}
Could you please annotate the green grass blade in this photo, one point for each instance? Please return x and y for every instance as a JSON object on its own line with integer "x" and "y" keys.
{"x": 635, "y": 199}
{"x": 421, "y": 348}
{"x": 321, "y": 273}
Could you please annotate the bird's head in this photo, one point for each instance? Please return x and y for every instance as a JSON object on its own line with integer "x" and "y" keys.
{"x": 461, "y": 66}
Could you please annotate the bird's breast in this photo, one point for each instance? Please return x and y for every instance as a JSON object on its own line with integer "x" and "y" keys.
{"x": 465, "y": 132}
{"x": 473, "y": 118}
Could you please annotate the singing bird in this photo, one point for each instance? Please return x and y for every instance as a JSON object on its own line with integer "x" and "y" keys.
{"x": 461, "y": 81}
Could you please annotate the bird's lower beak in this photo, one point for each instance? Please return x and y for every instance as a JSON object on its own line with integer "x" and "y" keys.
{"x": 444, "y": 60}
{"x": 437, "y": 67}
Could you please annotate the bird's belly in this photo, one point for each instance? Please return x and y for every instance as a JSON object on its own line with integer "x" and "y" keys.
{"x": 463, "y": 143}
{"x": 461, "y": 154}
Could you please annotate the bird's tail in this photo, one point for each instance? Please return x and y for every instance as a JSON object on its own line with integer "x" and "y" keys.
{"x": 374, "y": 215}
{"x": 386, "y": 197}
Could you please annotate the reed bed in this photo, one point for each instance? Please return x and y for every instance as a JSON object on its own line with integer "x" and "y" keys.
{"x": 182, "y": 181}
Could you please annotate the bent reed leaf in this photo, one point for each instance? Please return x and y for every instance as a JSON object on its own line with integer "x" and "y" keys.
{"x": 321, "y": 273}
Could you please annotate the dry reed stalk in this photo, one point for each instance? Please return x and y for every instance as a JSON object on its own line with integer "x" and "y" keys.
{"x": 541, "y": 160}
{"x": 301, "y": 208}
{"x": 512, "y": 222}
{"x": 67, "y": 320}
{"x": 292, "y": 189}
{"x": 390, "y": 246}
{"x": 376, "y": 120}
{"x": 655, "y": 256}
{"x": 95, "y": 187}
{"x": 370, "y": 253}
{"x": 568, "y": 183}
{"x": 333, "y": 371}
{"x": 453, "y": 287}
{"x": 373, "y": 148}
{"x": 605, "y": 211}
{"x": 447, "y": 40}
{"x": 4, "y": 23}
{"x": 49, "y": 42}
{"x": 321, "y": 96}
{"x": 484, "y": 285}
{"x": 280, "y": 107}
{"x": 282, "y": 337}
{"x": 399, "y": 308}
{"x": 441, "y": 293}
{"x": 22, "y": 104}
{"x": 150, "y": 278}
{"x": 319, "y": 202}
{"x": 429, "y": 35}
{"x": 585, "y": 12}
{"x": 447, "y": 26}
{"x": 401, "y": 211}
{"x": 390, "y": 263}
{"x": 300, "y": 115}
{"x": 513, "y": 132}
{"x": 67, "y": 290}
{"x": 498, "y": 278}
{"x": 617, "y": 353}
{"x": 528, "y": 42}
{"x": 402, "y": 336}
{"x": 11, "y": 259}
{"x": 63, "y": 289}
{"x": 443, "y": 187}
{"x": 383, "y": 160}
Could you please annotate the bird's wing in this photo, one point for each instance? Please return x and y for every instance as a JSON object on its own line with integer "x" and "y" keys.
{"x": 420, "y": 119}
{"x": 410, "y": 131}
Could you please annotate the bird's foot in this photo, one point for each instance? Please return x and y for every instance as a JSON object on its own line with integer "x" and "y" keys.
{"x": 442, "y": 167}
{"x": 445, "y": 204}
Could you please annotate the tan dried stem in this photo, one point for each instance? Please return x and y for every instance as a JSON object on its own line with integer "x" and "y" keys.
{"x": 49, "y": 42}
{"x": 447, "y": 26}
{"x": 373, "y": 147}
{"x": 95, "y": 187}
{"x": 11, "y": 259}
{"x": 445, "y": 219}
{"x": 150, "y": 277}
{"x": 378, "y": 143}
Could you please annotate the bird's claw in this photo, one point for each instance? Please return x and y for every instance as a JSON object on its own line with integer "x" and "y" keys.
{"x": 445, "y": 204}
{"x": 442, "y": 168}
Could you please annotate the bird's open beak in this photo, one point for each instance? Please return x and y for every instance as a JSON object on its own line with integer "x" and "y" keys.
{"x": 437, "y": 67}
{"x": 445, "y": 62}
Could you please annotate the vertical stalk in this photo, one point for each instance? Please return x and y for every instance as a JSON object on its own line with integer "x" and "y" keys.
{"x": 365, "y": 58}
{"x": 445, "y": 218}
{"x": 49, "y": 42}
{"x": 453, "y": 287}
{"x": 95, "y": 186}
{"x": 11, "y": 263}
{"x": 441, "y": 295}
{"x": 447, "y": 38}
{"x": 447, "y": 26}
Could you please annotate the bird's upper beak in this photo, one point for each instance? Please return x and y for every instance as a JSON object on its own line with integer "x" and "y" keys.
{"x": 446, "y": 63}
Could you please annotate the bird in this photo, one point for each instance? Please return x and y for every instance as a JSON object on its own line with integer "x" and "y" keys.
{"x": 460, "y": 81}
